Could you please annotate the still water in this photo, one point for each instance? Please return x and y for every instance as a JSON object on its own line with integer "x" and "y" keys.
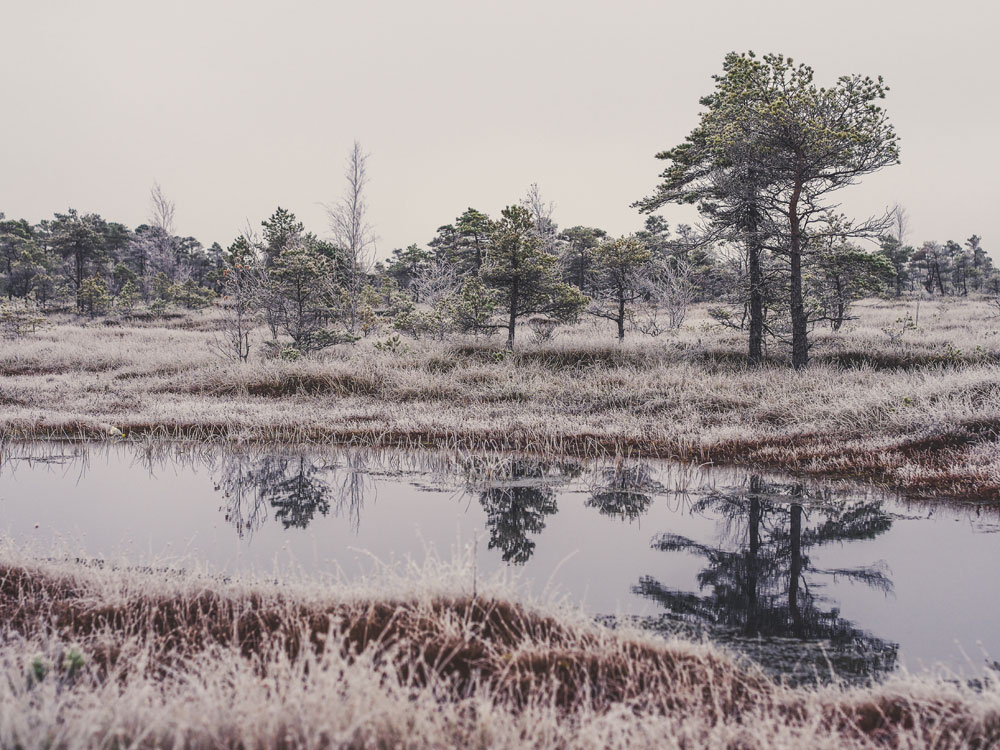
{"x": 797, "y": 575}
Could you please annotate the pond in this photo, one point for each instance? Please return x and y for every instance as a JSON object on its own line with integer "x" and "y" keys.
{"x": 799, "y": 576}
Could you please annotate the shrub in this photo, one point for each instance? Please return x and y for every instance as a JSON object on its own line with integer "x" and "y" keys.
{"x": 392, "y": 345}
{"x": 544, "y": 329}
{"x": 128, "y": 297}
{"x": 92, "y": 297}
{"x": 17, "y": 319}
{"x": 191, "y": 296}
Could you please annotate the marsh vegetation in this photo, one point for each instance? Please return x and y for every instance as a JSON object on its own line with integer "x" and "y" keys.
{"x": 914, "y": 409}
{"x": 548, "y": 378}
{"x": 94, "y": 656}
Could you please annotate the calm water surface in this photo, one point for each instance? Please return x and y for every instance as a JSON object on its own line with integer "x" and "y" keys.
{"x": 798, "y": 576}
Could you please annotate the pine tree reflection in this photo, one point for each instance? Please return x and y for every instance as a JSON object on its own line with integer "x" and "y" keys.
{"x": 761, "y": 581}
{"x": 512, "y": 513}
{"x": 296, "y": 489}
{"x": 624, "y": 491}
{"x": 518, "y": 494}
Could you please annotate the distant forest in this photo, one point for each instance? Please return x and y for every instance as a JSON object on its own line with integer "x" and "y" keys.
{"x": 771, "y": 255}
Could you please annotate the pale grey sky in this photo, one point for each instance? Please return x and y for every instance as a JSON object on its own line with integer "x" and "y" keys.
{"x": 237, "y": 107}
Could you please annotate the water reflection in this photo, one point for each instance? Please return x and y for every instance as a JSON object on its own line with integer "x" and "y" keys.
{"x": 517, "y": 494}
{"x": 243, "y": 503}
{"x": 295, "y": 487}
{"x": 624, "y": 491}
{"x": 759, "y": 579}
{"x": 758, "y": 563}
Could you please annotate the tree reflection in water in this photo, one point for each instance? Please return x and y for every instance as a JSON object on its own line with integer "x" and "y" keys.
{"x": 761, "y": 582}
{"x": 517, "y": 494}
{"x": 296, "y": 487}
{"x": 624, "y": 491}
{"x": 512, "y": 513}
{"x": 243, "y": 505}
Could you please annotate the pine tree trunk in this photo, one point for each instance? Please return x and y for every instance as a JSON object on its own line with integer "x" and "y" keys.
{"x": 800, "y": 332}
{"x": 756, "y": 351}
{"x": 795, "y": 533}
{"x": 512, "y": 320}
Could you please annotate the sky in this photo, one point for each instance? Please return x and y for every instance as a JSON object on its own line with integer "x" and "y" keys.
{"x": 238, "y": 107}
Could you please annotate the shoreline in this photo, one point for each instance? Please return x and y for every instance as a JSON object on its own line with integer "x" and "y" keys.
{"x": 809, "y": 458}
{"x": 920, "y": 416}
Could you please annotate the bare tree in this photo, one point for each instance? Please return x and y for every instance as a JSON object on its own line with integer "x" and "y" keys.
{"x": 675, "y": 290}
{"x": 157, "y": 246}
{"x": 438, "y": 286}
{"x": 900, "y": 223}
{"x": 669, "y": 289}
{"x": 542, "y": 212}
{"x": 351, "y": 231}
{"x": 434, "y": 282}
{"x": 161, "y": 210}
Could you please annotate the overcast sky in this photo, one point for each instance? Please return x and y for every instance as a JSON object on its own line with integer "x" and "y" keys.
{"x": 237, "y": 107}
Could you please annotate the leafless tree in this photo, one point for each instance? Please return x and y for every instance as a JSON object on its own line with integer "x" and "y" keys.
{"x": 434, "y": 282}
{"x": 670, "y": 290}
{"x": 351, "y": 231}
{"x": 161, "y": 210}
{"x": 542, "y": 212}
{"x": 156, "y": 247}
{"x": 900, "y": 223}
{"x": 677, "y": 290}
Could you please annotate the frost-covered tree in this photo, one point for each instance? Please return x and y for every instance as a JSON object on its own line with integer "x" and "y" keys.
{"x": 352, "y": 233}
{"x": 304, "y": 298}
{"x": 621, "y": 268}
{"x": 579, "y": 246}
{"x": 769, "y": 151}
{"x": 524, "y": 275}
{"x": 840, "y": 274}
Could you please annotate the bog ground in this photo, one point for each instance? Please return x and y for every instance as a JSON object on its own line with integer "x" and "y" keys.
{"x": 914, "y": 409}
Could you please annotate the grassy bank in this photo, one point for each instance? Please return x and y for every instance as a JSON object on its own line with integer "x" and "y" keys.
{"x": 916, "y": 410}
{"x": 97, "y": 657}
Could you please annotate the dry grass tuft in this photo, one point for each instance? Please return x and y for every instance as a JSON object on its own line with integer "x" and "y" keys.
{"x": 468, "y": 643}
{"x": 97, "y": 657}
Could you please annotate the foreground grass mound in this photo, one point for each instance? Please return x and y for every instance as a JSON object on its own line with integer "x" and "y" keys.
{"x": 96, "y": 657}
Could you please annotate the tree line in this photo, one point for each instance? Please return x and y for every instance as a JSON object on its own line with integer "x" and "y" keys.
{"x": 771, "y": 254}
{"x": 85, "y": 261}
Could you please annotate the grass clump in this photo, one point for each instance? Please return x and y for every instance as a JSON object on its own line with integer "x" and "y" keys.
{"x": 93, "y": 656}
